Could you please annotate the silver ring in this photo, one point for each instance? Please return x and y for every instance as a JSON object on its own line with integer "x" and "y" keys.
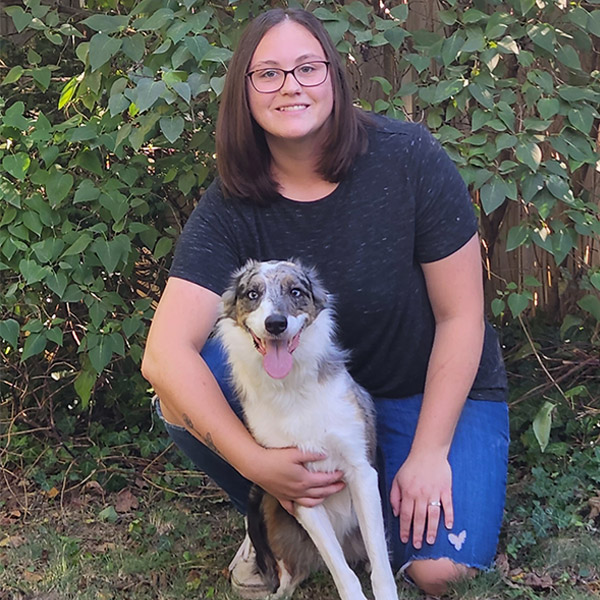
{"x": 435, "y": 503}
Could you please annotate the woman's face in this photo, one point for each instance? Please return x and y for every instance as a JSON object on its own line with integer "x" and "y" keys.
{"x": 294, "y": 112}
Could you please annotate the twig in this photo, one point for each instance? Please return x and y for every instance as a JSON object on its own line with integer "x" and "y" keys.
{"x": 539, "y": 359}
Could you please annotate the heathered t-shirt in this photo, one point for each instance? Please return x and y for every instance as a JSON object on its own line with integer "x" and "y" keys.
{"x": 402, "y": 204}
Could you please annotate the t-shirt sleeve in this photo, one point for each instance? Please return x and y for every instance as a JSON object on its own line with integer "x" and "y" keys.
{"x": 445, "y": 218}
{"x": 206, "y": 252}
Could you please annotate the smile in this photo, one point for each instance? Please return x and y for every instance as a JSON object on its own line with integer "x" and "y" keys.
{"x": 293, "y": 108}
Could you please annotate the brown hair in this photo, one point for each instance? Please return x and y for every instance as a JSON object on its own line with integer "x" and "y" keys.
{"x": 243, "y": 157}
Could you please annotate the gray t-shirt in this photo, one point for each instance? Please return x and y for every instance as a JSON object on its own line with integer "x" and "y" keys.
{"x": 403, "y": 204}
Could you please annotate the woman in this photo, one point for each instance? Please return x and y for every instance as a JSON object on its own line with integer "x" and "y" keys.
{"x": 379, "y": 209}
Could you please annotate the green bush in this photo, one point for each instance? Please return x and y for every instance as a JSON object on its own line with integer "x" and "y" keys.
{"x": 107, "y": 137}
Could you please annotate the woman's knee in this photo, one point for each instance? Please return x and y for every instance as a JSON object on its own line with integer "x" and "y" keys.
{"x": 433, "y": 576}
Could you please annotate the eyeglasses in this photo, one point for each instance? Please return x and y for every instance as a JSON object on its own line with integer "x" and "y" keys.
{"x": 271, "y": 80}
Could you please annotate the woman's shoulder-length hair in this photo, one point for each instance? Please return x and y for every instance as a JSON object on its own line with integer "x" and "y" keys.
{"x": 243, "y": 157}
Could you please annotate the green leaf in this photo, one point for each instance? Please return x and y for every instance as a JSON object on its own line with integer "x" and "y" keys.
{"x": 131, "y": 325}
{"x": 591, "y": 304}
{"x": 472, "y": 15}
{"x": 529, "y": 153}
{"x": 498, "y": 306}
{"x": 9, "y": 332}
{"x": 568, "y": 56}
{"x": 57, "y": 282}
{"x": 116, "y": 204}
{"x": 595, "y": 280}
{"x": 198, "y": 46}
{"x": 35, "y": 343}
{"x": 112, "y": 252}
{"x": 42, "y": 77}
{"x": 517, "y": 303}
{"x": 548, "y": 107}
{"x": 452, "y": 47}
{"x": 172, "y": 127}
{"x": 505, "y": 140}
{"x": 482, "y": 95}
{"x": 517, "y": 236}
{"x": 31, "y": 271}
{"x": 146, "y": 93}
{"x": 17, "y": 165}
{"x": 86, "y": 192}
{"x": 581, "y": 118}
{"x": 108, "y": 514}
{"x": 159, "y": 18}
{"x": 542, "y": 424}
{"x": 560, "y": 188}
{"x": 562, "y": 244}
{"x": 106, "y": 23}
{"x": 493, "y": 194}
{"x": 84, "y": 384}
{"x": 13, "y": 75}
{"x": 395, "y": 37}
{"x": 78, "y": 246}
{"x": 20, "y": 18}
{"x": 542, "y": 35}
{"x": 68, "y": 92}
{"x": 134, "y": 47}
{"x": 400, "y": 12}
{"x": 359, "y": 11}
{"x": 162, "y": 248}
{"x": 447, "y": 89}
{"x": 336, "y": 29}
{"x": 101, "y": 352}
{"x": 89, "y": 160}
{"x": 58, "y": 187}
{"x": 102, "y": 49}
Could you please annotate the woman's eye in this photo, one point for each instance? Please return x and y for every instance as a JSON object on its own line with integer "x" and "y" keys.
{"x": 267, "y": 74}
{"x": 296, "y": 293}
{"x": 306, "y": 69}
{"x": 252, "y": 295}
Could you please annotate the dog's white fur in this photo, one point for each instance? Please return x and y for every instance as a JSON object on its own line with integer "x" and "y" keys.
{"x": 316, "y": 407}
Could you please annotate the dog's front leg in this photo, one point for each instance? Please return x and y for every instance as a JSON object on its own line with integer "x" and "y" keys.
{"x": 365, "y": 498}
{"x": 318, "y": 526}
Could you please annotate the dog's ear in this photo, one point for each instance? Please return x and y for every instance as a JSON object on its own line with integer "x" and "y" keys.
{"x": 319, "y": 293}
{"x": 230, "y": 295}
{"x": 228, "y": 300}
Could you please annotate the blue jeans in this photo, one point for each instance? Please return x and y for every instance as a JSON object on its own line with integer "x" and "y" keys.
{"x": 478, "y": 458}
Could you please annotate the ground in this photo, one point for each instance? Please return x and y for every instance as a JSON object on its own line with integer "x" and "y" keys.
{"x": 145, "y": 542}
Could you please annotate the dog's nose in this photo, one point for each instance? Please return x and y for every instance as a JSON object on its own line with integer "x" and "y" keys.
{"x": 275, "y": 324}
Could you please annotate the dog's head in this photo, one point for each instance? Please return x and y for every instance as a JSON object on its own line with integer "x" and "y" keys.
{"x": 274, "y": 302}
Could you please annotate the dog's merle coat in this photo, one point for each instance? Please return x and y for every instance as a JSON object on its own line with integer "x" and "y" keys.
{"x": 277, "y": 327}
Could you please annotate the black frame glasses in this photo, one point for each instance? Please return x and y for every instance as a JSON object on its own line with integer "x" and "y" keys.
{"x": 286, "y": 73}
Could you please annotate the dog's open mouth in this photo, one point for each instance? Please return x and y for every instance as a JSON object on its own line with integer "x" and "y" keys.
{"x": 277, "y": 354}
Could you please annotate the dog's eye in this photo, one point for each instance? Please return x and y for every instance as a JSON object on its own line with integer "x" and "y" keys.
{"x": 296, "y": 292}
{"x": 252, "y": 295}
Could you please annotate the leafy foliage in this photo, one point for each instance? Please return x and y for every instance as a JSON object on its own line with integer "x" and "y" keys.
{"x": 107, "y": 123}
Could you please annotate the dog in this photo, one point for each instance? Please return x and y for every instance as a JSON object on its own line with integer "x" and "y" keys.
{"x": 277, "y": 328}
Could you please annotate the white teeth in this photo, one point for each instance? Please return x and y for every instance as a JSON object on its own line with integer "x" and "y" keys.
{"x": 291, "y": 108}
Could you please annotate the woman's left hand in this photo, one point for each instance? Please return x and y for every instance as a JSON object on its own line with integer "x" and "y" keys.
{"x": 421, "y": 489}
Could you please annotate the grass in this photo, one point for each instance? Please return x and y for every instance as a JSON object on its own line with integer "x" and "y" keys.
{"x": 120, "y": 517}
{"x": 175, "y": 547}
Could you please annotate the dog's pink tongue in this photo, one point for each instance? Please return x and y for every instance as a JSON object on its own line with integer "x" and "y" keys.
{"x": 278, "y": 360}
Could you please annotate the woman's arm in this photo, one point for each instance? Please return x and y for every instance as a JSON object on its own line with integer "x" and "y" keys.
{"x": 191, "y": 397}
{"x": 454, "y": 286}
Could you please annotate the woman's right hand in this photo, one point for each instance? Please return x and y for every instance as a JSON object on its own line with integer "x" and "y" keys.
{"x": 282, "y": 472}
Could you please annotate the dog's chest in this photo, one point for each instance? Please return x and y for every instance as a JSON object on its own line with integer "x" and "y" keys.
{"x": 315, "y": 418}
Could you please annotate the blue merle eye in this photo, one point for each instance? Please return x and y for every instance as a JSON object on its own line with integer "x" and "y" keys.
{"x": 252, "y": 295}
{"x": 296, "y": 293}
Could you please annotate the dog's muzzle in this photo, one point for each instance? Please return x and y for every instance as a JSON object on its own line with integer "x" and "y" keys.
{"x": 277, "y": 352}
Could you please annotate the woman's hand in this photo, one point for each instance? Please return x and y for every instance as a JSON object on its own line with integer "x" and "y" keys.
{"x": 423, "y": 481}
{"x": 282, "y": 472}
